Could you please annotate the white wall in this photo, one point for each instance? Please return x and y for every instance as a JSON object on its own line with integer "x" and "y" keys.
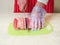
{"x": 6, "y": 6}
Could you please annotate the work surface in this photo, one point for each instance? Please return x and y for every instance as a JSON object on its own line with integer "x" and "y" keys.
{"x": 49, "y": 39}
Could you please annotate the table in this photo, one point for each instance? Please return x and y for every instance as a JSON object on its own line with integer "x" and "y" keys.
{"x": 49, "y": 39}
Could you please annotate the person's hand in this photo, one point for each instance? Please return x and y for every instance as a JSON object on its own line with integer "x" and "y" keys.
{"x": 22, "y": 4}
{"x": 37, "y": 18}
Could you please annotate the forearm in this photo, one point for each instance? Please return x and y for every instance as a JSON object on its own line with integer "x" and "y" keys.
{"x": 39, "y": 4}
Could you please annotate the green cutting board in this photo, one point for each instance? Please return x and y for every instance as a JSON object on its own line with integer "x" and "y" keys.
{"x": 12, "y": 31}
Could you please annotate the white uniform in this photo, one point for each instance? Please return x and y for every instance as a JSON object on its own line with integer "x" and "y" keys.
{"x": 43, "y": 1}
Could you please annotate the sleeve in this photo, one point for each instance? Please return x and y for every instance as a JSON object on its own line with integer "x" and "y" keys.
{"x": 43, "y": 1}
